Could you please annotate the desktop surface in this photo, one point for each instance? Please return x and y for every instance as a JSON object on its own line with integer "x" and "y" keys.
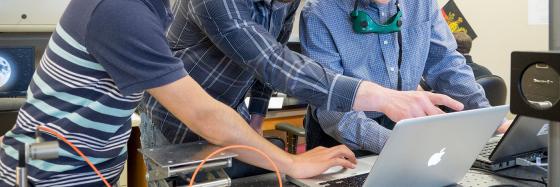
{"x": 473, "y": 178}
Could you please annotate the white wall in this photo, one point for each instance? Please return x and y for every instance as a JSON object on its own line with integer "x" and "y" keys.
{"x": 502, "y": 27}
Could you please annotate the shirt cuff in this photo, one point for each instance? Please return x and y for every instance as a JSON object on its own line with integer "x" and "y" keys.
{"x": 342, "y": 93}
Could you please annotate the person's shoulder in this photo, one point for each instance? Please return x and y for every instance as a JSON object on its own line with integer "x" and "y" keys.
{"x": 121, "y": 7}
{"x": 123, "y": 14}
{"x": 123, "y": 20}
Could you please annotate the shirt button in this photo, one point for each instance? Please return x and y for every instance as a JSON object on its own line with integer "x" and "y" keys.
{"x": 392, "y": 69}
{"x": 382, "y": 13}
{"x": 385, "y": 42}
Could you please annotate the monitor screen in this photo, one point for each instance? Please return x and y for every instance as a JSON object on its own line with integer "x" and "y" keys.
{"x": 16, "y": 69}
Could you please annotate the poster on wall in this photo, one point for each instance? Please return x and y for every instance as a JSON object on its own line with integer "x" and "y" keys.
{"x": 456, "y": 20}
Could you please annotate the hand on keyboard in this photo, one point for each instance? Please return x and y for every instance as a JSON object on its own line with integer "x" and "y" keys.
{"x": 318, "y": 160}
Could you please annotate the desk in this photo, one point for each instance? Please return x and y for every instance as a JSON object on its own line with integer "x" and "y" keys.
{"x": 136, "y": 170}
{"x": 473, "y": 178}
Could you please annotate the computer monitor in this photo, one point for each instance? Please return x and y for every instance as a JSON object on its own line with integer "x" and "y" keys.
{"x": 17, "y": 65}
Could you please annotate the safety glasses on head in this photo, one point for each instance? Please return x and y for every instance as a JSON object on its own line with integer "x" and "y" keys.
{"x": 363, "y": 23}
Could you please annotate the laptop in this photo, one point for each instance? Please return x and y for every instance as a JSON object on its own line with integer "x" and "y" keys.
{"x": 527, "y": 138}
{"x": 429, "y": 151}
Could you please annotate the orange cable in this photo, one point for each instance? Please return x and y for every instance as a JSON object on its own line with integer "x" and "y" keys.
{"x": 236, "y": 147}
{"x": 61, "y": 137}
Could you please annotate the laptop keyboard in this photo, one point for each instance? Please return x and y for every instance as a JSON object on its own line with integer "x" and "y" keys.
{"x": 357, "y": 180}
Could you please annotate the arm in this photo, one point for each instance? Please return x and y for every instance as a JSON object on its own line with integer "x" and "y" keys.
{"x": 446, "y": 71}
{"x": 230, "y": 27}
{"x": 260, "y": 94}
{"x": 258, "y": 104}
{"x": 354, "y": 129}
{"x": 214, "y": 121}
{"x": 288, "y": 25}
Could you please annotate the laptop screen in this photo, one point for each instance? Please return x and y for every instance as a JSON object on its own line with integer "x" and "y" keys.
{"x": 525, "y": 135}
{"x": 16, "y": 70}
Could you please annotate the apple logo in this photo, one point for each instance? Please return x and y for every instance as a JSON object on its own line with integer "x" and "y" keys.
{"x": 436, "y": 158}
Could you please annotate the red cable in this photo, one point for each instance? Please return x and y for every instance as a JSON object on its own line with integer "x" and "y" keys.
{"x": 236, "y": 147}
{"x": 61, "y": 137}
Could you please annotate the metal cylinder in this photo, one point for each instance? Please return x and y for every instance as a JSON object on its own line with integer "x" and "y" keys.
{"x": 554, "y": 24}
{"x": 21, "y": 177}
{"x": 554, "y": 154}
{"x": 554, "y": 129}
{"x": 44, "y": 150}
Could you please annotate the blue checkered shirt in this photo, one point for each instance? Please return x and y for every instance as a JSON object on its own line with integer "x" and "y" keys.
{"x": 428, "y": 52}
{"x": 229, "y": 47}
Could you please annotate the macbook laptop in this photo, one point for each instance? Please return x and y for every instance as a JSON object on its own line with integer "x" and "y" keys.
{"x": 429, "y": 151}
{"x": 527, "y": 138}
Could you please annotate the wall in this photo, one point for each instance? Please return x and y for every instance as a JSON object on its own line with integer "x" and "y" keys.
{"x": 502, "y": 27}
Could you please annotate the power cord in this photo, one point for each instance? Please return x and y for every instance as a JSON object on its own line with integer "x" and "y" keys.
{"x": 236, "y": 147}
{"x": 61, "y": 137}
{"x": 527, "y": 163}
{"x": 542, "y": 181}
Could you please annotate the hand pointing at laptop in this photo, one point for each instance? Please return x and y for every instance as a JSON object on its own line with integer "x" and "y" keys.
{"x": 399, "y": 105}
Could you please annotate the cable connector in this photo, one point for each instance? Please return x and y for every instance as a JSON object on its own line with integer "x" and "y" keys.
{"x": 538, "y": 163}
{"x": 38, "y": 138}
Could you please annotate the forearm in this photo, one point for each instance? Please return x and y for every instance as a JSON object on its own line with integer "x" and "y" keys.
{"x": 455, "y": 79}
{"x": 216, "y": 122}
{"x": 234, "y": 131}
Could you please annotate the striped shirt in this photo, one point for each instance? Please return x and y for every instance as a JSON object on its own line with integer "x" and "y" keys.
{"x": 99, "y": 61}
{"x": 228, "y": 46}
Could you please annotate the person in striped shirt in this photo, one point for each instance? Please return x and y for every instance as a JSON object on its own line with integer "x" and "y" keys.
{"x": 102, "y": 57}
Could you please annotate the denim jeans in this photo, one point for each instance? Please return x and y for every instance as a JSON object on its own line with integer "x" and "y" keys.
{"x": 151, "y": 137}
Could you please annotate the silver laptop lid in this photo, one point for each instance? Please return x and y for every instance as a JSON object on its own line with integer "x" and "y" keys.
{"x": 435, "y": 150}
{"x": 525, "y": 135}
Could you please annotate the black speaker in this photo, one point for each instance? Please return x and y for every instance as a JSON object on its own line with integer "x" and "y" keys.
{"x": 535, "y": 84}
